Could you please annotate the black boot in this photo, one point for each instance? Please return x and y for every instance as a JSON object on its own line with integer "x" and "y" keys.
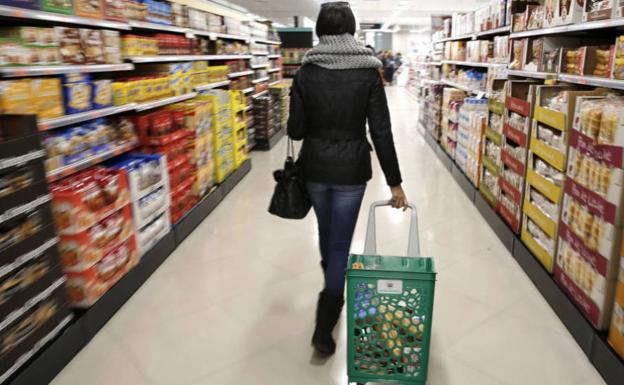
{"x": 327, "y": 314}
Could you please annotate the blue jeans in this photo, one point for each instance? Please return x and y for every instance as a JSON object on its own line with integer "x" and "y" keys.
{"x": 336, "y": 208}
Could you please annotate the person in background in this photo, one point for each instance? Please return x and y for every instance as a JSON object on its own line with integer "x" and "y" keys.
{"x": 389, "y": 67}
{"x": 335, "y": 92}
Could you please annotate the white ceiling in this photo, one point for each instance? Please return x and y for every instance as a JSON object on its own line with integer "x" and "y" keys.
{"x": 402, "y": 12}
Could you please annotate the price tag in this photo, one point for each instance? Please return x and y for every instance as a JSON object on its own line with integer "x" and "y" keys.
{"x": 388, "y": 286}
{"x": 213, "y": 36}
{"x": 190, "y": 34}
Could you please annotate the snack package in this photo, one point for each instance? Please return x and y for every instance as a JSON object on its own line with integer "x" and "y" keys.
{"x": 86, "y": 287}
{"x": 599, "y": 10}
{"x": 535, "y": 17}
{"x": 144, "y": 173}
{"x": 102, "y": 94}
{"x": 16, "y": 97}
{"x": 70, "y": 45}
{"x": 81, "y": 201}
{"x": 77, "y": 97}
{"x": 82, "y": 250}
{"x": 92, "y": 46}
{"x": 115, "y": 10}
{"x": 618, "y": 61}
{"x": 148, "y": 236}
{"x": 149, "y": 207}
{"x": 111, "y": 42}
{"x": 89, "y": 8}
{"x": 48, "y": 97}
{"x": 28, "y": 4}
{"x": 573, "y": 60}
{"x": 569, "y": 11}
{"x": 58, "y": 6}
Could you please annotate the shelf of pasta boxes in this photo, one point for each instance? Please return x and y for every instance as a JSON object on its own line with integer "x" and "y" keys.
{"x": 31, "y": 278}
{"x": 592, "y": 220}
{"x": 553, "y": 118}
{"x": 452, "y": 100}
{"x": 516, "y": 131}
{"x": 281, "y": 96}
{"x": 491, "y": 163}
{"x": 616, "y": 331}
{"x": 473, "y": 117}
{"x": 265, "y": 118}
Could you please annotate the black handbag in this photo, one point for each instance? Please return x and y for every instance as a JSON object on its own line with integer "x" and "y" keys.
{"x": 290, "y": 198}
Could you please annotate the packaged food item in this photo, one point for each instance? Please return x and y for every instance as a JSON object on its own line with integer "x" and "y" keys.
{"x": 58, "y": 6}
{"x": 29, "y": 4}
{"x": 22, "y": 227}
{"x": 535, "y": 17}
{"x": 16, "y": 97}
{"x": 518, "y": 53}
{"x": 144, "y": 172}
{"x": 48, "y": 97}
{"x": 92, "y": 46}
{"x": 89, "y": 8}
{"x": 70, "y": 45}
{"x": 82, "y": 250}
{"x": 102, "y": 94}
{"x": 569, "y": 12}
{"x": 77, "y": 97}
{"x": 115, "y": 10}
{"x": 618, "y": 62}
{"x": 87, "y": 286}
{"x": 111, "y": 41}
{"x": 599, "y": 10}
{"x": 81, "y": 201}
{"x": 616, "y": 332}
{"x": 574, "y": 60}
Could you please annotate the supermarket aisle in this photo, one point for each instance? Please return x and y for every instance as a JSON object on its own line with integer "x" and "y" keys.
{"x": 234, "y": 304}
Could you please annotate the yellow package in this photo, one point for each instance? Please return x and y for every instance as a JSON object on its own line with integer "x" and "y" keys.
{"x": 48, "y": 98}
{"x": 134, "y": 92}
{"x": 16, "y": 97}
{"x": 120, "y": 93}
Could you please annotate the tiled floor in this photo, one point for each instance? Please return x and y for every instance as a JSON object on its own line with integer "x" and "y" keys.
{"x": 234, "y": 304}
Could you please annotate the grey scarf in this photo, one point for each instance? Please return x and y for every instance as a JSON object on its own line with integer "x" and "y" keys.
{"x": 341, "y": 52}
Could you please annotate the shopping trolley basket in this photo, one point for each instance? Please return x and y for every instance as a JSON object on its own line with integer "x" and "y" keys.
{"x": 389, "y": 311}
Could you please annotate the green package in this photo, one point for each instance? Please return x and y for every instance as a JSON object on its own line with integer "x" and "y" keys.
{"x": 58, "y": 6}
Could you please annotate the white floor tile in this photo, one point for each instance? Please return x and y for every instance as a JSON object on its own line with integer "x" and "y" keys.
{"x": 234, "y": 305}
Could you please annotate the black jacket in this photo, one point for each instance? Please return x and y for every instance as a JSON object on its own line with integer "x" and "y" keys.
{"x": 329, "y": 110}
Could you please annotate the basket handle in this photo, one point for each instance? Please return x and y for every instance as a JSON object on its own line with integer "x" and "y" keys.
{"x": 370, "y": 243}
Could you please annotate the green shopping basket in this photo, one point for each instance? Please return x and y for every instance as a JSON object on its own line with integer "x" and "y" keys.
{"x": 389, "y": 311}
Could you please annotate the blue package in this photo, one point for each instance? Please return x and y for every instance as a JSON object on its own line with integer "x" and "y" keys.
{"x": 102, "y": 94}
{"x": 77, "y": 97}
{"x": 75, "y": 78}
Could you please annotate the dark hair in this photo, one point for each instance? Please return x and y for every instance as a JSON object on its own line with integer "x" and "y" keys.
{"x": 335, "y": 18}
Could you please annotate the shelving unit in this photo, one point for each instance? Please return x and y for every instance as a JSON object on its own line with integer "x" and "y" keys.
{"x": 14, "y": 72}
{"x": 67, "y": 120}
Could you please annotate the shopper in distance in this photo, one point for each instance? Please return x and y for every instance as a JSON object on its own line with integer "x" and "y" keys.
{"x": 336, "y": 91}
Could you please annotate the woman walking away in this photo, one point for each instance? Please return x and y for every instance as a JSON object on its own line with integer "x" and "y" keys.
{"x": 335, "y": 92}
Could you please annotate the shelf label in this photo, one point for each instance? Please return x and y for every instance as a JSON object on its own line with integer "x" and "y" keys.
{"x": 554, "y": 119}
{"x": 549, "y": 154}
{"x": 508, "y": 217}
{"x": 510, "y": 190}
{"x": 546, "y": 187}
{"x": 540, "y": 219}
{"x": 519, "y": 137}
{"x": 514, "y": 164}
{"x": 518, "y": 106}
{"x": 387, "y": 286}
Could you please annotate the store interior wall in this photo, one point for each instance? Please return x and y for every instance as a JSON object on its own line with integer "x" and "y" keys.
{"x": 411, "y": 43}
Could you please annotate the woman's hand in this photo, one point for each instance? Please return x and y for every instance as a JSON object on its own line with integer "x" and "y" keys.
{"x": 399, "y": 199}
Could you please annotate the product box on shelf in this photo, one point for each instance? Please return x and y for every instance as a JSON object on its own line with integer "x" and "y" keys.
{"x": 89, "y": 8}
{"x": 145, "y": 173}
{"x": 599, "y": 10}
{"x": 182, "y": 199}
{"x": 616, "y": 332}
{"x": 148, "y": 236}
{"x": 588, "y": 60}
{"x": 87, "y": 286}
{"x": 24, "y": 333}
{"x": 84, "y": 199}
{"x": 82, "y": 250}
{"x": 151, "y": 206}
{"x": 567, "y": 12}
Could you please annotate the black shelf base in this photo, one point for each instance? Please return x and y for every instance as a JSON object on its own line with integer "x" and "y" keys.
{"x": 267, "y": 145}
{"x": 593, "y": 343}
{"x": 49, "y": 362}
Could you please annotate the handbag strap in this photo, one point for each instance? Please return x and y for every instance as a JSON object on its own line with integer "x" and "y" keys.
{"x": 290, "y": 150}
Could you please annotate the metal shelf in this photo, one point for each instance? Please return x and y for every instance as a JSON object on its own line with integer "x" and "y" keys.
{"x": 156, "y": 27}
{"x": 592, "y": 81}
{"x": 259, "y": 66}
{"x": 271, "y": 70}
{"x": 248, "y": 108}
{"x": 210, "y": 86}
{"x": 268, "y": 42}
{"x": 275, "y": 56}
{"x": 464, "y": 37}
{"x": 260, "y": 94}
{"x": 274, "y": 83}
{"x": 232, "y": 37}
{"x": 239, "y": 74}
{"x": 65, "y": 171}
{"x": 13, "y": 72}
{"x": 592, "y": 25}
{"x": 473, "y": 64}
{"x": 492, "y": 32}
{"x": 176, "y": 58}
{"x": 461, "y": 87}
{"x": 531, "y": 74}
{"x": 428, "y": 63}
{"x": 261, "y": 80}
{"x": 249, "y": 90}
{"x": 49, "y": 124}
{"x": 257, "y": 53}
{"x": 57, "y": 18}
{"x": 163, "y": 102}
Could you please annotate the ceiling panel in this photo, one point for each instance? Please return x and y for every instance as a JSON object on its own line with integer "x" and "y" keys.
{"x": 404, "y": 12}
